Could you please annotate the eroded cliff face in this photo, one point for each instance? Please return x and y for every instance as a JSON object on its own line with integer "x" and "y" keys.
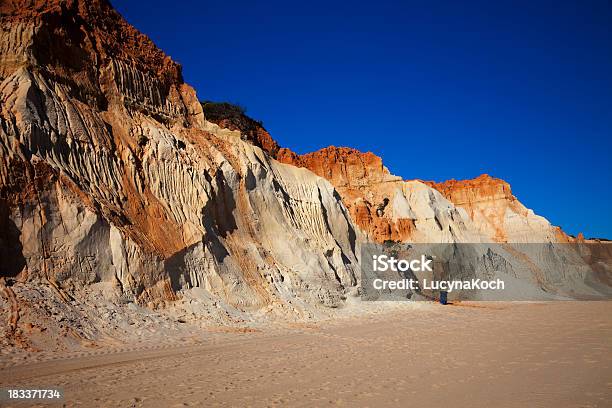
{"x": 497, "y": 213}
{"x": 384, "y": 206}
{"x": 111, "y": 176}
{"x": 110, "y": 173}
{"x": 483, "y": 212}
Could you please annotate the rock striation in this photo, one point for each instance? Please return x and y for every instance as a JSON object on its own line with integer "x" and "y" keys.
{"x": 497, "y": 213}
{"x": 388, "y": 208}
{"x": 110, "y": 173}
{"x": 114, "y": 174}
{"x": 509, "y": 238}
{"x": 385, "y": 207}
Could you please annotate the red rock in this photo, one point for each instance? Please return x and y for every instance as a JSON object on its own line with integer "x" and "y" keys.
{"x": 357, "y": 177}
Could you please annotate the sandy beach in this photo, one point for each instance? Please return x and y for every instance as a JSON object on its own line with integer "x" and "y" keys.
{"x": 556, "y": 354}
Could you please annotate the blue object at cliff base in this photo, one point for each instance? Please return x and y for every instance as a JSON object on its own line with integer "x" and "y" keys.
{"x": 443, "y": 297}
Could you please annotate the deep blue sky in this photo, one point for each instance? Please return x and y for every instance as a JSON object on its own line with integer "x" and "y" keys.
{"x": 440, "y": 90}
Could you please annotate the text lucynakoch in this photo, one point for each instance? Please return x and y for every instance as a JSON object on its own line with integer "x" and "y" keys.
{"x": 448, "y": 286}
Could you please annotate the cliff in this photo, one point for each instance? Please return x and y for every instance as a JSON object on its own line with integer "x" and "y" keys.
{"x": 385, "y": 206}
{"x": 497, "y": 213}
{"x": 358, "y": 177}
{"x": 110, "y": 173}
{"x": 116, "y": 181}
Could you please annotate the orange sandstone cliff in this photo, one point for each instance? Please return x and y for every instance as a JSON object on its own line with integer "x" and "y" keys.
{"x": 118, "y": 183}
{"x": 496, "y": 212}
{"x": 359, "y": 178}
{"x": 371, "y": 193}
{"x": 111, "y": 175}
